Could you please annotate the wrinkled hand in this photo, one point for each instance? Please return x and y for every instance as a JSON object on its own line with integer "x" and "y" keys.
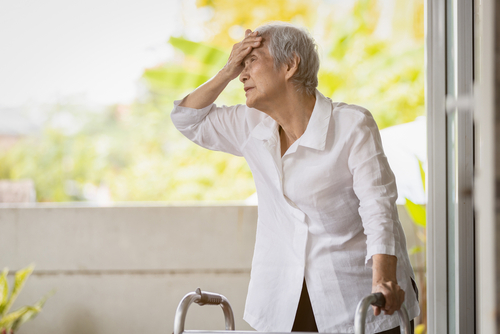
{"x": 240, "y": 50}
{"x": 394, "y": 297}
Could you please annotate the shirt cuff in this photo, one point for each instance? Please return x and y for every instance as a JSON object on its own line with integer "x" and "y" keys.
{"x": 379, "y": 249}
{"x": 191, "y": 115}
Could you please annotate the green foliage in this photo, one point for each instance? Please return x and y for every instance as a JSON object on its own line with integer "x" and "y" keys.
{"x": 386, "y": 77}
{"x": 208, "y": 55}
{"x": 415, "y": 250}
{"x": 241, "y": 14}
{"x": 136, "y": 152}
{"x": 422, "y": 173}
{"x": 417, "y": 213}
{"x": 11, "y": 321}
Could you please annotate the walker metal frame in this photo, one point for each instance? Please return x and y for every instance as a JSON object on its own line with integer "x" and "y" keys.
{"x": 211, "y": 298}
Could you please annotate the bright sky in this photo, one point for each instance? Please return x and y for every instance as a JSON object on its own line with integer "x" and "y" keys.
{"x": 90, "y": 49}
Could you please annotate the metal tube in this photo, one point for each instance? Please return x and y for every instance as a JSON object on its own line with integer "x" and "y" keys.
{"x": 228, "y": 314}
{"x": 360, "y": 316}
{"x": 180, "y": 313}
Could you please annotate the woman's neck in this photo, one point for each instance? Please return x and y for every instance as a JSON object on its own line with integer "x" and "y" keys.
{"x": 292, "y": 112}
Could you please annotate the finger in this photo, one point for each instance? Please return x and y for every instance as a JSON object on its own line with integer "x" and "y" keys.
{"x": 376, "y": 310}
{"x": 248, "y": 32}
{"x": 247, "y": 42}
{"x": 388, "y": 300}
{"x": 243, "y": 50}
{"x": 253, "y": 43}
{"x": 252, "y": 36}
{"x": 251, "y": 39}
{"x": 240, "y": 54}
{"x": 390, "y": 312}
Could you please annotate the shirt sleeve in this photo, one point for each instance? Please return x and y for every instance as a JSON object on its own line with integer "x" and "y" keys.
{"x": 215, "y": 128}
{"x": 374, "y": 185}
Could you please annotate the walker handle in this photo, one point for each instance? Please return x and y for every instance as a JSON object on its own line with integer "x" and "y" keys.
{"x": 202, "y": 298}
{"x": 378, "y": 299}
{"x": 208, "y": 298}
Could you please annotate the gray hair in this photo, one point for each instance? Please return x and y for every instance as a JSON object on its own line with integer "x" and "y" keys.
{"x": 287, "y": 40}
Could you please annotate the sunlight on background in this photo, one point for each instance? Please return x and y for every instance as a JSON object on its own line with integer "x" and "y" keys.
{"x": 87, "y": 89}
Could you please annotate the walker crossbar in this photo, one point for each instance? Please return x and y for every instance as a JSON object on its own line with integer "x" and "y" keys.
{"x": 202, "y": 298}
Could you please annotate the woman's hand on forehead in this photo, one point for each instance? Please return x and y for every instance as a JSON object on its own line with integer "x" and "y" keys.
{"x": 240, "y": 50}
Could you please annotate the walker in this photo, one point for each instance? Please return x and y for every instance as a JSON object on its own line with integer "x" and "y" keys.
{"x": 210, "y": 298}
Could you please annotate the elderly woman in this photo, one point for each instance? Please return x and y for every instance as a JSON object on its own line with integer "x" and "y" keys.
{"x": 328, "y": 232}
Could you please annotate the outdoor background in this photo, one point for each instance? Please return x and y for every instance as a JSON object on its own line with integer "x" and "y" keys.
{"x": 86, "y": 90}
{"x": 112, "y": 140}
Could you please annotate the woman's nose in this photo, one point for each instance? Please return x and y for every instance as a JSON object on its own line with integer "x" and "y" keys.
{"x": 244, "y": 75}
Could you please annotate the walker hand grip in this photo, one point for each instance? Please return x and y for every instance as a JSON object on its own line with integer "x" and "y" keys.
{"x": 202, "y": 298}
{"x": 208, "y": 298}
{"x": 379, "y": 299}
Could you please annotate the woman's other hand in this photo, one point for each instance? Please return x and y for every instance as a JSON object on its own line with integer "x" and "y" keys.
{"x": 240, "y": 50}
{"x": 394, "y": 297}
{"x": 385, "y": 281}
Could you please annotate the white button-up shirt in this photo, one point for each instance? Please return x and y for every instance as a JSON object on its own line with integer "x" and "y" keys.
{"x": 324, "y": 209}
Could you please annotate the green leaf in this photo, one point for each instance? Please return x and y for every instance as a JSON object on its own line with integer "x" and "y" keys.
{"x": 167, "y": 78}
{"x": 417, "y": 213}
{"x": 206, "y": 54}
{"x": 8, "y": 320}
{"x": 415, "y": 250}
{"x": 4, "y": 289}
{"x": 422, "y": 173}
{"x": 420, "y": 329}
{"x": 32, "y": 312}
{"x": 19, "y": 280}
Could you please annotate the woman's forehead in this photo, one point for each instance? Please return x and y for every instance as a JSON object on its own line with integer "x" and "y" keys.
{"x": 262, "y": 51}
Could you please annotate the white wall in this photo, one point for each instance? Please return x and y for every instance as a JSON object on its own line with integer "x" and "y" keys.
{"x": 125, "y": 269}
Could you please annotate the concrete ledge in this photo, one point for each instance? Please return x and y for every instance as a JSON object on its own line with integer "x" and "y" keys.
{"x": 128, "y": 238}
{"x": 125, "y": 269}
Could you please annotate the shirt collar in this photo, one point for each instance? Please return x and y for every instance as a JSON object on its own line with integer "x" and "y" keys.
{"x": 266, "y": 129}
{"x": 316, "y": 131}
{"x": 317, "y": 128}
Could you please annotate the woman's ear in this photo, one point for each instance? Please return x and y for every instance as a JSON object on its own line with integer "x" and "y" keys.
{"x": 292, "y": 67}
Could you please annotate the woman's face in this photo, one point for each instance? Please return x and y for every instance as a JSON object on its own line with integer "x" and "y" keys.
{"x": 262, "y": 83}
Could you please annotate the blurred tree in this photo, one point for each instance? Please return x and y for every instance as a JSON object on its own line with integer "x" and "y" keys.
{"x": 382, "y": 71}
{"x": 231, "y": 18}
{"x": 135, "y": 150}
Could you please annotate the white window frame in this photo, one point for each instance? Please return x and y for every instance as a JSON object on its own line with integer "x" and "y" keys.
{"x": 485, "y": 168}
{"x": 471, "y": 307}
{"x": 435, "y": 91}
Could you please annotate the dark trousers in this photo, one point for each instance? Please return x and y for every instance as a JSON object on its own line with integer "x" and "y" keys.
{"x": 305, "y": 322}
{"x": 397, "y": 330}
{"x": 304, "y": 318}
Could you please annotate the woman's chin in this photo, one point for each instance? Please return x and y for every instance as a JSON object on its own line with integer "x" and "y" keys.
{"x": 250, "y": 103}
